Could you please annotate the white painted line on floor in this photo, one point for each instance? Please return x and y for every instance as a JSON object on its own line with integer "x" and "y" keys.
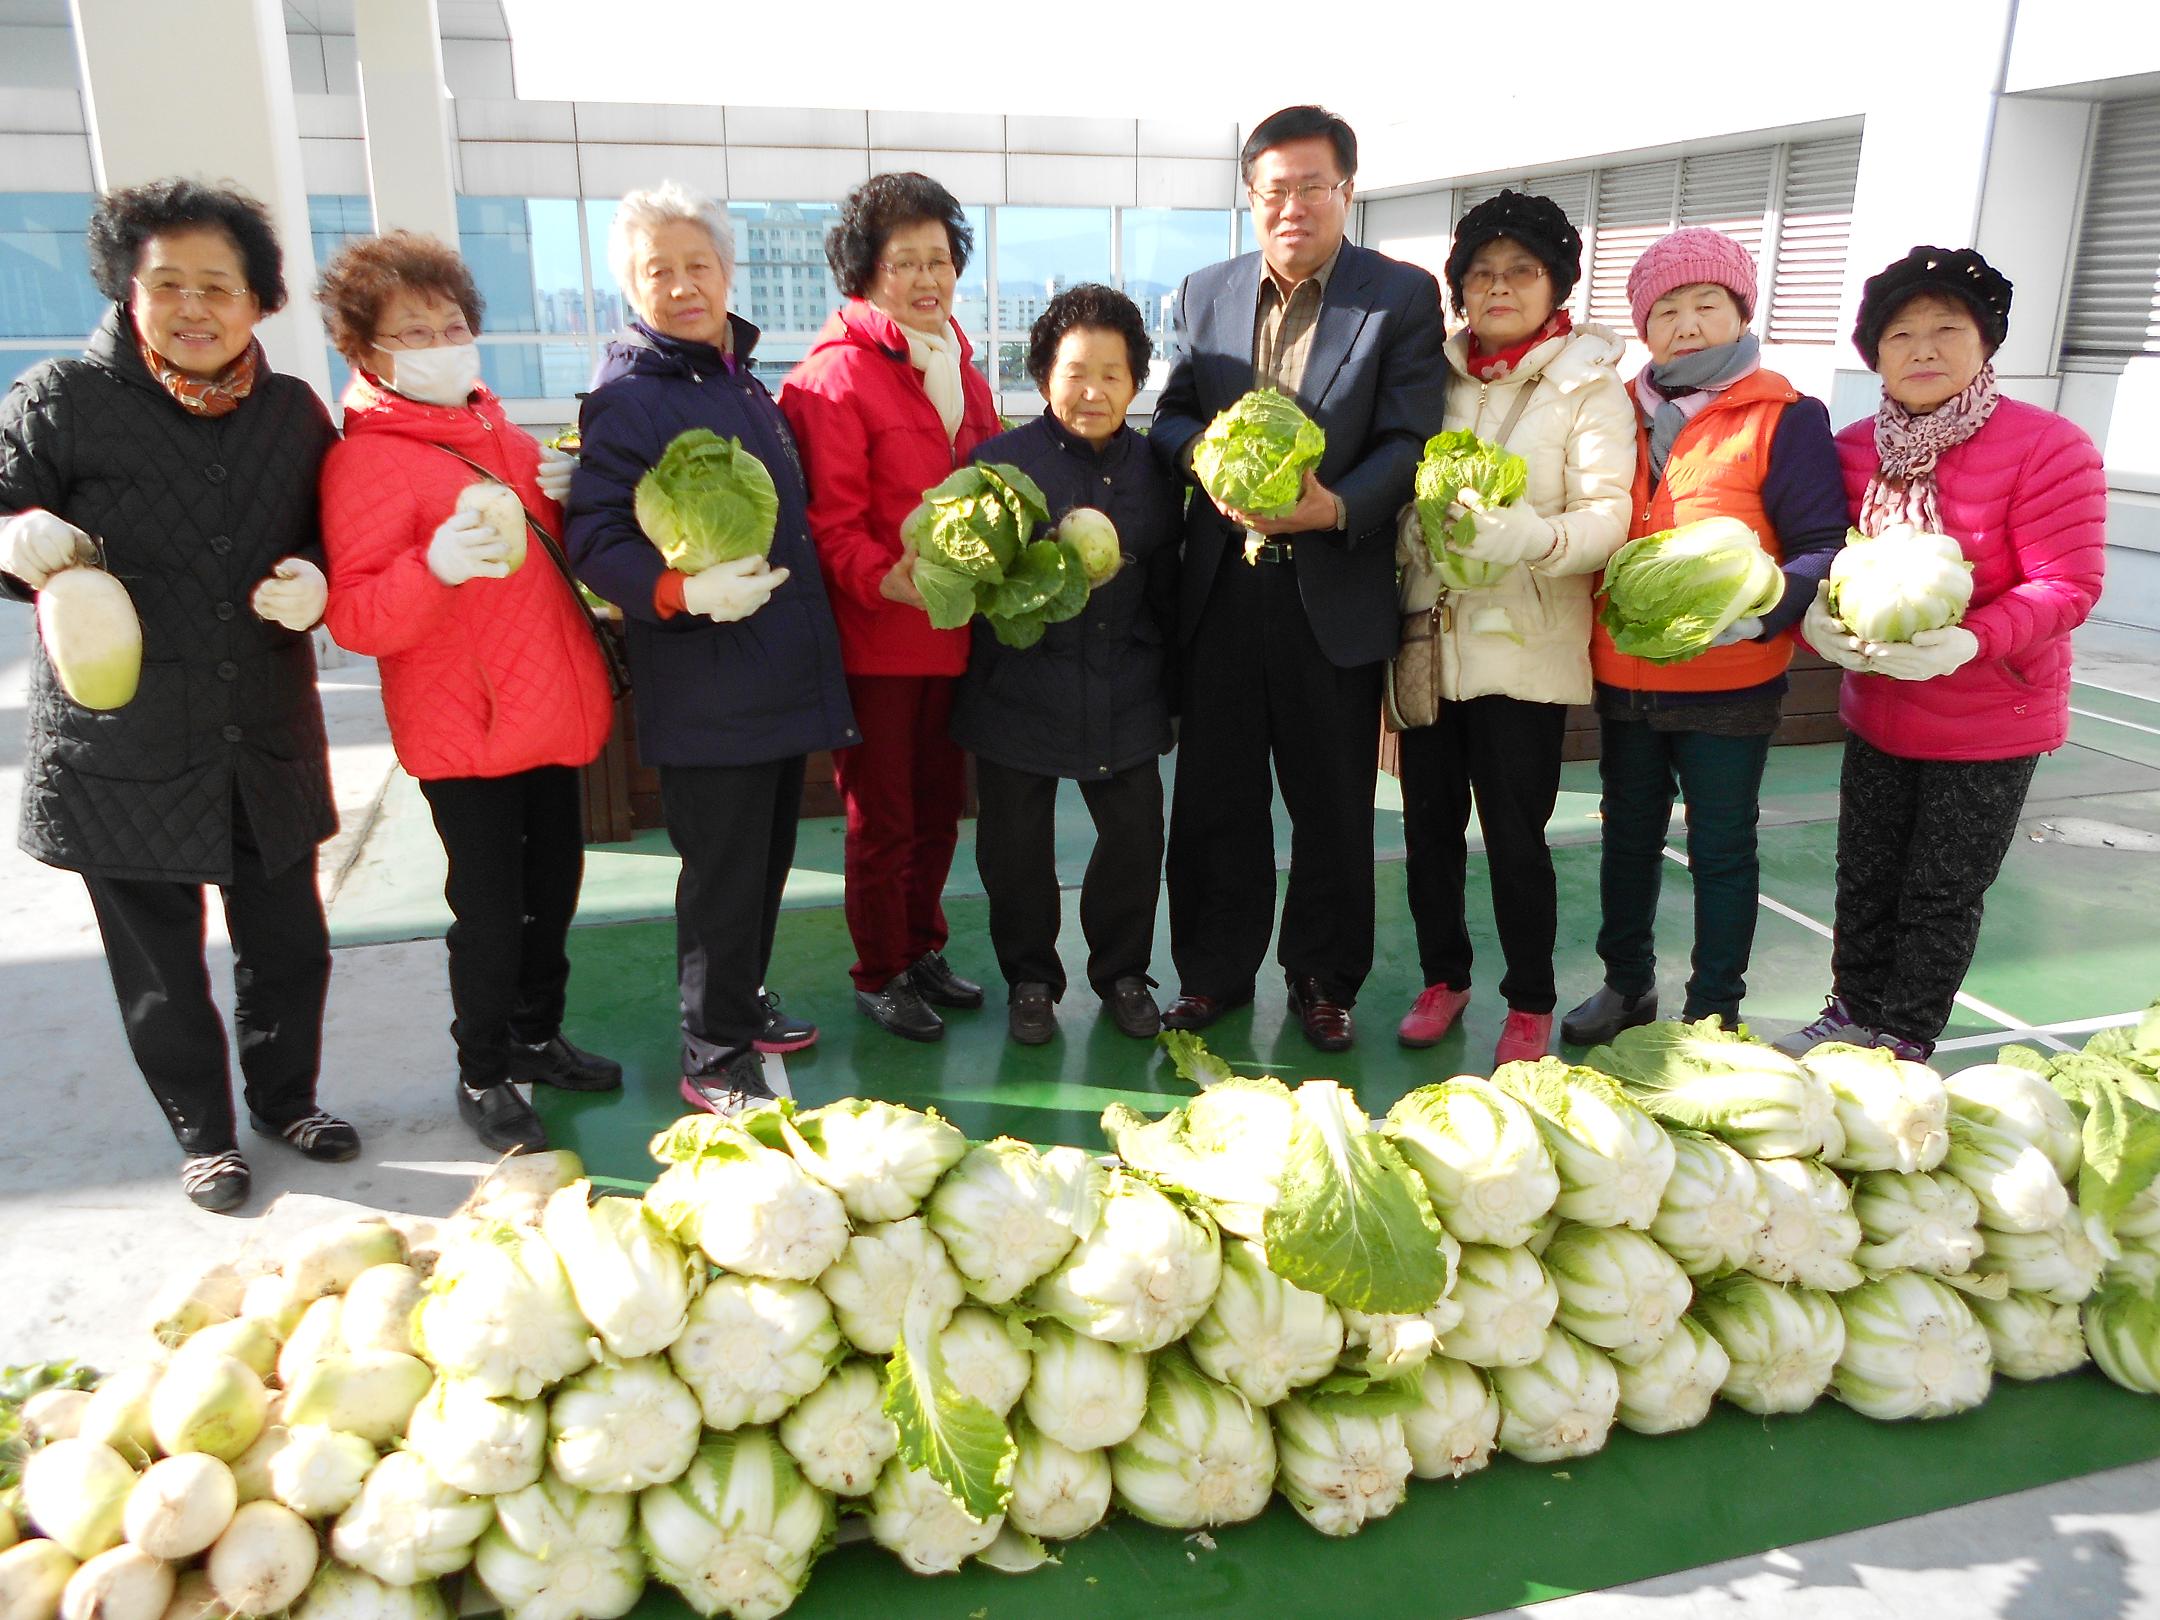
{"x": 2109, "y": 719}
{"x": 776, "y": 1076}
{"x": 2074, "y": 1026}
{"x": 1994, "y": 1014}
{"x": 2118, "y": 691}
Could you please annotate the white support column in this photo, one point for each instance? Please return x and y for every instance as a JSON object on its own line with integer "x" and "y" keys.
{"x": 233, "y": 121}
{"x": 406, "y": 112}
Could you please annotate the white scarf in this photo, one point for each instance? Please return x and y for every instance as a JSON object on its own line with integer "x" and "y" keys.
{"x": 937, "y": 357}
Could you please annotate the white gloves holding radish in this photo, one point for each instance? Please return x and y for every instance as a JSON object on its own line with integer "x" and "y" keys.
{"x": 732, "y": 590}
{"x": 35, "y": 545}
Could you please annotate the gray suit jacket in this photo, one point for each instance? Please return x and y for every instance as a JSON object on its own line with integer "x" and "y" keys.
{"x": 1375, "y": 381}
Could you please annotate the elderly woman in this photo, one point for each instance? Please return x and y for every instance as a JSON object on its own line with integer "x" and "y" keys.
{"x": 1504, "y": 660}
{"x": 885, "y": 405}
{"x": 737, "y": 667}
{"x": 1718, "y": 436}
{"x": 1947, "y": 728}
{"x": 1090, "y": 701}
{"x": 492, "y": 682}
{"x": 173, "y": 454}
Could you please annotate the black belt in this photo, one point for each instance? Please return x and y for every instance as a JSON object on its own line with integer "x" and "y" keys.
{"x": 1268, "y": 551}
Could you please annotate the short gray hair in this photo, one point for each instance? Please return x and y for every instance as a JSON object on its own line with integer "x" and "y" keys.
{"x": 670, "y": 202}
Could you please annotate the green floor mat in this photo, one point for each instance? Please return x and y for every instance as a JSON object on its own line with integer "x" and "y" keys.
{"x": 1521, "y": 1533}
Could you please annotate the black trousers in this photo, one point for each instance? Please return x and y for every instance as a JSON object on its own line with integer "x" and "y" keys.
{"x": 517, "y": 858}
{"x": 1506, "y": 753}
{"x": 1919, "y": 843}
{"x": 1014, "y": 850}
{"x": 1257, "y": 689}
{"x": 153, "y": 933}
{"x": 734, "y": 827}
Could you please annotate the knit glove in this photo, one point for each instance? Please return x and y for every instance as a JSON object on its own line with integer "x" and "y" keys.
{"x": 35, "y": 545}
{"x": 1509, "y": 534}
{"x": 732, "y": 590}
{"x": 556, "y": 466}
{"x": 466, "y": 548}
{"x": 1827, "y": 634}
{"x": 293, "y": 595}
{"x": 1748, "y": 629}
{"x": 1930, "y": 653}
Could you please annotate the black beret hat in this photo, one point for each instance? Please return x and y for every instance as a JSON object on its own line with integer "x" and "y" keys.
{"x": 1959, "y": 273}
{"x": 1538, "y": 223}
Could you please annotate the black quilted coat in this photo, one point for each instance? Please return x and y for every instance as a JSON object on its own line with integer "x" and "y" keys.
{"x": 193, "y": 512}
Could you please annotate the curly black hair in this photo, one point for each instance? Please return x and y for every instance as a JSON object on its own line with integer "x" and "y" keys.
{"x": 1098, "y": 308}
{"x": 126, "y": 219}
{"x": 882, "y": 204}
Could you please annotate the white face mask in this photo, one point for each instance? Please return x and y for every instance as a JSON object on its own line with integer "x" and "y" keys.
{"x": 445, "y": 375}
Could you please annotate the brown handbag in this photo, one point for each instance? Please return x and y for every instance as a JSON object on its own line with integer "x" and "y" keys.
{"x": 1413, "y": 676}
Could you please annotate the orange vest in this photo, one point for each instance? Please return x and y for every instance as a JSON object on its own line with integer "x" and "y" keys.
{"x": 1716, "y": 469}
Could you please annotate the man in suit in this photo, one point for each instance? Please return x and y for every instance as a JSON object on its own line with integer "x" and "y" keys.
{"x": 1286, "y": 624}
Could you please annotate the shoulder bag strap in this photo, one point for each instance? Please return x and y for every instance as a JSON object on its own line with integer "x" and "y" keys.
{"x": 1515, "y": 410}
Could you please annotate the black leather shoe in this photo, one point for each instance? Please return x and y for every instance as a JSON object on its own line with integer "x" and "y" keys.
{"x": 1192, "y": 1010}
{"x": 501, "y": 1117}
{"x": 736, "y": 1088}
{"x": 1325, "y": 1020}
{"x": 938, "y": 984}
{"x": 555, "y": 1062}
{"x": 1032, "y": 1017}
{"x": 216, "y": 1181}
{"x": 782, "y": 1033}
{"x": 322, "y": 1137}
{"x": 900, "y": 1010}
{"x": 1132, "y": 1008}
{"x": 1605, "y": 1014}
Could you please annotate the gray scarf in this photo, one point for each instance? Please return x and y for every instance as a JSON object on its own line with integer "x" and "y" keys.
{"x": 1676, "y": 390}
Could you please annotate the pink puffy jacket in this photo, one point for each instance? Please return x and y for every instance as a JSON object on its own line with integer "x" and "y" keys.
{"x": 2027, "y": 498}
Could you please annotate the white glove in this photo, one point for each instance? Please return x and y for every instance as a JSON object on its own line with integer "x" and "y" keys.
{"x": 1930, "y": 653}
{"x": 294, "y": 595}
{"x": 556, "y": 466}
{"x": 1509, "y": 534}
{"x": 732, "y": 590}
{"x": 35, "y": 545}
{"x": 1828, "y": 635}
{"x": 464, "y": 548}
{"x": 1748, "y": 629}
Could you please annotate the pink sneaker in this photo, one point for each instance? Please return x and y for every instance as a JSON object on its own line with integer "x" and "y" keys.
{"x": 1524, "y": 1038}
{"x": 1432, "y": 1015}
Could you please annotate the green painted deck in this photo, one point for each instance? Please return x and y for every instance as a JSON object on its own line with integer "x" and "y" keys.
{"x": 2069, "y": 937}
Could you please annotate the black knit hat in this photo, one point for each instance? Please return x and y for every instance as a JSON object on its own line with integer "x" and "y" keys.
{"x": 1538, "y": 223}
{"x": 1961, "y": 273}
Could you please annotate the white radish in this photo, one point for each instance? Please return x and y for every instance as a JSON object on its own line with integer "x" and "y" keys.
{"x": 264, "y": 1560}
{"x": 9, "y": 1535}
{"x": 378, "y": 1309}
{"x": 327, "y": 1259}
{"x": 370, "y": 1393}
{"x": 275, "y": 1300}
{"x": 319, "y": 1472}
{"x": 194, "y": 1598}
{"x": 125, "y": 1583}
{"x": 208, "y": 1403}
{"x": 251, "y": 1469}
{"x": 180, "y": 1506}
{"x": 183, "y": 1309}
{"x": 250, "y": 1340}
{"x": 119, "y": 1412}
{"x": 315, "y": 1336}
{"x": 33, "y": 1574}
{"x": 54, "y": 1414}
{"x": 77, "y": 1491}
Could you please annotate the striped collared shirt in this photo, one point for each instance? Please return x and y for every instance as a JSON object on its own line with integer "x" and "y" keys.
{"x": 1283, "y": 329}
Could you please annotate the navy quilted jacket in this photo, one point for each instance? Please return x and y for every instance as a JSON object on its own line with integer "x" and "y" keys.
{"x": 194, "y": 512}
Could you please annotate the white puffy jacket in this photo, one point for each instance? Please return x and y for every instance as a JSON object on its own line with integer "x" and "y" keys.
{"x": 1529, "y": 635}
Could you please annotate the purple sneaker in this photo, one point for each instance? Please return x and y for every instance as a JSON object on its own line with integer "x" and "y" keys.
{"x": 1835, "y": 1024}
{"x": 1898, "y": 1046}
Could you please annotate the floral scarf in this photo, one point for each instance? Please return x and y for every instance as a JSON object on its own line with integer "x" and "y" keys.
{"x": 206, "y": 396}
{"x": 1907, "y": 447}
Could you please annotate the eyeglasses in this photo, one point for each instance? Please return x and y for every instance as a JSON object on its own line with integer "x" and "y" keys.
{"x": 909, "y": 269}
{"x": 1517, "y": 276}
{"x": 423, "y": 337}
{"x": 1311, "y": 194}
{"x": 167, "y": 294}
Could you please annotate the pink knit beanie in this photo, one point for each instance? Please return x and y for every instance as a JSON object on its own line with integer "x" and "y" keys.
{"x": 1684, "y": 258}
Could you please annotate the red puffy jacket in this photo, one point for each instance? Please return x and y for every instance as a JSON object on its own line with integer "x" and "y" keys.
{"x": 2026, "y": 497}
{"x": 487, "y": 678}
{"x": 871, "y": 444}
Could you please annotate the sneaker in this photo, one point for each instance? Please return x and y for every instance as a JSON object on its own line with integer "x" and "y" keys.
{"x": 1132, "y": 1007}
{"x": 322, "y": 1137}
{"x": 1605, "y": 1014}
{"x": 782, "y": 1033}
{"x": 738, "y": 1087}
{"x": 216, "y": 1181}
{"x": 899, "y": 1009}
{"x": 1432, "y": 1015}
{"x": 1898, "y": 1046}
{"x": 1836, "y": 1024}
{"x": 938, "y": 984}
{"x": 1031, "y": 1019}
{"x": 501, "y": 1117}
{"x": 555, "y": 1062}
{"x": 1524, "y": 1038}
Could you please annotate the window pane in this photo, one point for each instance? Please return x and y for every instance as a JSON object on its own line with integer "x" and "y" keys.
{"x": 1039, "y": 252}
{"x": 610, "y": 313}
{"x": 783, "y": 285}
{"x": 14, "y": 362}
{"x": 45, "y": 287}
{"x": 536, "y": 370}
{"x": 1248, "y": 240}
{"x": 333, "y": 220}
{"x": 971, "y": 303}
{"x": 526, "y": 260}
{"x": 1160, "y": 248}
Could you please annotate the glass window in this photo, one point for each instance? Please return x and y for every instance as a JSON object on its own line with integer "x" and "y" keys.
{"x": 536, "y": 370}
{"x": 1041, "y": 251}
{"x": 45, "y": 286}
{"x": 1248, "y": 240}
{"x": 783, "y": 285}
{"x": 527, "y": 258}
{"x": 333, "y": 220}
{"x": 1157, "y": 249}
{"x": 611, "y": 313}
{"x": 971, "y": 300}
